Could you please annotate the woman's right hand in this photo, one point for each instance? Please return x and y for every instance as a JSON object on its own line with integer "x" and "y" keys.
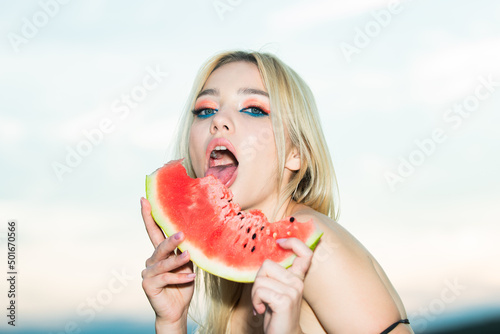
{"x": 168, "y": 279}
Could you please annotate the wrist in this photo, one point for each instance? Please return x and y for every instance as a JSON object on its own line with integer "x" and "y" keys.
{"x": 162, "y": 326}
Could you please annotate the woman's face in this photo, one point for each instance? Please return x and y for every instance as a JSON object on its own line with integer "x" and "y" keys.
{"x": 232, "y": 137}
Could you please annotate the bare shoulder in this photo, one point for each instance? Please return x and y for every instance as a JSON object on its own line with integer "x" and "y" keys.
{"x": 336, "y": 245}
{"x": 345, "y": 286}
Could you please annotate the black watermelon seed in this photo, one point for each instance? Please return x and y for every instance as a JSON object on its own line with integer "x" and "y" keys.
{"x": 248, "y": 230}
{"x": 254, "y": 236}
{"x": 245, "y": 246}
{"x": 262, "y": 228}
{"x": 253, "y": 248}
{"x": 241, "y": 227}
{"x": 239, "y": 213}
{"x": 292, "y": 219}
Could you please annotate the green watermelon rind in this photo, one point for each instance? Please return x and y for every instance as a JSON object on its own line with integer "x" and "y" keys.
{"x": 311, "y": 242}
{"x": 211, "y": 265}
{"x": 156, "y": 211}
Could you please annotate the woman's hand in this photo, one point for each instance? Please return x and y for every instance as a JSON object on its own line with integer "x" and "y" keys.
{"x": 168, "y": 278}
{"x": 277, "y": 292}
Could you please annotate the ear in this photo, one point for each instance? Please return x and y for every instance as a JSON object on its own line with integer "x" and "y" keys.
{"x": 293, "y": 160}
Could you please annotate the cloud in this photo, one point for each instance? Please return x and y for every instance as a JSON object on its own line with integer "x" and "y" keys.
{"x": 12, "y": 131}
{"x": 306, "y": 15}
{"x": 450, "y": 72}
{"x": 72, "y": 251}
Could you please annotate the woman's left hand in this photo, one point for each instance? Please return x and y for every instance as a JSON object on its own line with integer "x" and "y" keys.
{"x": 277, "y": 292}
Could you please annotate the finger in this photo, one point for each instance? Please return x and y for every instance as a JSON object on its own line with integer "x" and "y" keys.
{"x": 269, "y": 283}
{"x": 276, "y": 301}
{"x": 154, "y": 231}
{"x": 273, "y": 276}
{"x": 154, "y": 285}
{"x": 166, "y": 265}
{"x": 273, "y": 270}
{"x": 302, "y": 262}
{"x": 165, "y": 248}
{"x": 260, "y": 293}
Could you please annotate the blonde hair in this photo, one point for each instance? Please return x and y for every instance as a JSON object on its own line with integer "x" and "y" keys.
{"x": 294, "y": 114}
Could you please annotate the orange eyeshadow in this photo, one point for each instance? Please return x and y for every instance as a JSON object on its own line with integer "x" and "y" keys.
{"x": 257, "y": 103}
{"x": 205, "y": 104}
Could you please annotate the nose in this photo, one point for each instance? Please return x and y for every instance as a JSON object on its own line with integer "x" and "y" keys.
{"x": 222, "y": 122}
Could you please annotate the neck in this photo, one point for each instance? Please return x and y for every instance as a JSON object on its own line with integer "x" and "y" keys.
{"x": 274, "y": 211}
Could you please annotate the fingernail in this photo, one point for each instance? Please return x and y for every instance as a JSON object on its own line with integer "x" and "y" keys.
{"x": 184, "y": 254}
{"x": 142, "y": 200}
{"x": 178, "y": 236}
{"x": 254, "y": 312}
{"x": 193, "y": 275}
{"x": 280, "y": 241}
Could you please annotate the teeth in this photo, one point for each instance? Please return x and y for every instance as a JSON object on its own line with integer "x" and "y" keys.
{"x": 213, "y": 154}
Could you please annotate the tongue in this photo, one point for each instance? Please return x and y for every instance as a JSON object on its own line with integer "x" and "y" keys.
{"x": 223, "y": 173}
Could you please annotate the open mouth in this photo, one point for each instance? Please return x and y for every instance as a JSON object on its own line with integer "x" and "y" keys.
{"x": 223, "y": 165}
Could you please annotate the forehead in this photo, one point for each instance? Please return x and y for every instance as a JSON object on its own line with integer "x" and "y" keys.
{"x": 234, "y": 76}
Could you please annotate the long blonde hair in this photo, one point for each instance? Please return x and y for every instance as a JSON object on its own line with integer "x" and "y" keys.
{"x": 294, "y": 114}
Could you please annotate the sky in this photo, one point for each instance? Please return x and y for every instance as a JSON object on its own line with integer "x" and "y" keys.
{"x": 91, "y": 93}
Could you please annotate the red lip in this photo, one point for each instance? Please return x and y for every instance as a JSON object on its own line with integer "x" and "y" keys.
{"x": 221, "y": 142}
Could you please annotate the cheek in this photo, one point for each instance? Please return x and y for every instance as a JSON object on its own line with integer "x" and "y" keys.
{"x": 268, "y": 144}
{"x": 266, "y": 156}
{"x": 266, "y": 136}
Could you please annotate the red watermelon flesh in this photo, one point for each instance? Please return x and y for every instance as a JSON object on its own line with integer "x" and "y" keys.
{"x": 220, "y": 238}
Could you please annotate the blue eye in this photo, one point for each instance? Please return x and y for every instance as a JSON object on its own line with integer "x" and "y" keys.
{"x": 205, "y": 112}
{"x": 254, "y": 111}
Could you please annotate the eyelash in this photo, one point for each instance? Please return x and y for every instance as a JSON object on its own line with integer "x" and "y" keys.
{"x": 259, "y": 114}
{"x": 202, "y": 112}
{"x": 199, "y": 112}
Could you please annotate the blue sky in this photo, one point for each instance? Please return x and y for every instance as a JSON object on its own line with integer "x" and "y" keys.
{"x": 379, "y": 106}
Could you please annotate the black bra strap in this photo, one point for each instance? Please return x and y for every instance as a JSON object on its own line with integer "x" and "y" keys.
{"x": 391, "y": 327}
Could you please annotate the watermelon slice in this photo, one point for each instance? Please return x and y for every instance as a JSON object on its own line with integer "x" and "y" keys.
{"x": 220, "y": 238}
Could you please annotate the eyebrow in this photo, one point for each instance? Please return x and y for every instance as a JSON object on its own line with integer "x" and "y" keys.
{"x": 209, "y": 92}
{"x": 251, "y": 91}
{"x": 246, "y": 91}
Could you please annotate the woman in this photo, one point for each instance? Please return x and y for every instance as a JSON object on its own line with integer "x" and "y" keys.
{"x": 266, "y": 112}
